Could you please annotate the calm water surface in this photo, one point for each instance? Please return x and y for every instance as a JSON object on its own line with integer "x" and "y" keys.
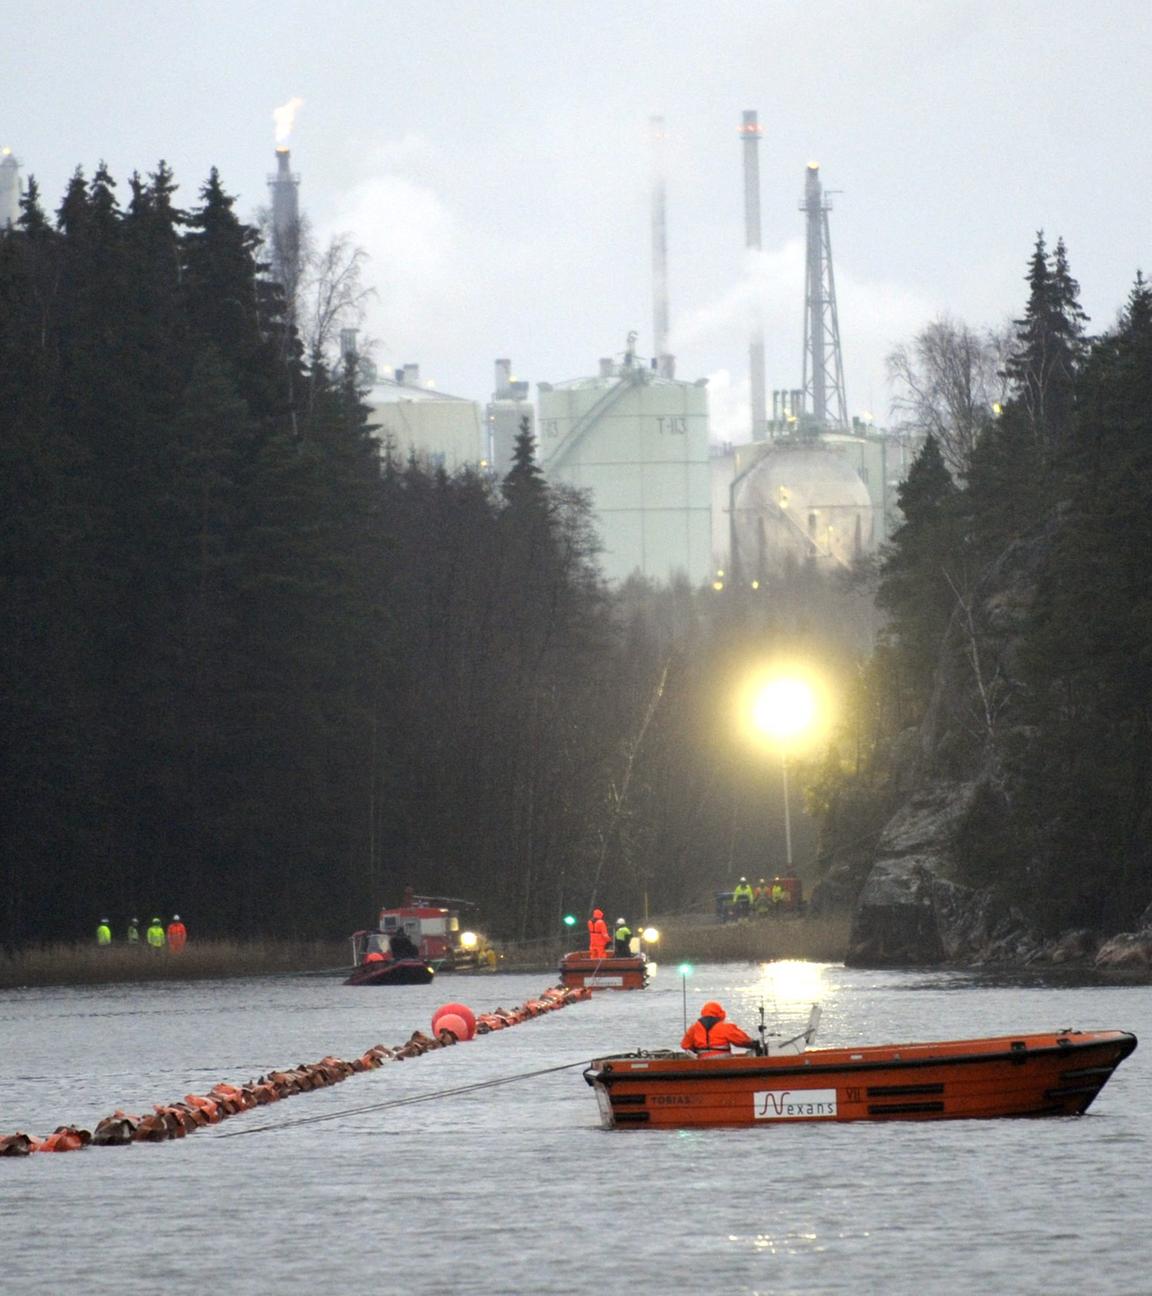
{"x": 517, "y": 1189}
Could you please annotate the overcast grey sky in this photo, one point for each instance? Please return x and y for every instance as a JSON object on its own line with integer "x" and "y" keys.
{"x": 493, "y": 157}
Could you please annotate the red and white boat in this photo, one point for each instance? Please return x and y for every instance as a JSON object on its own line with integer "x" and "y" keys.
{"x": 433, "y": 925}
{"x": 1054, "y": 1074}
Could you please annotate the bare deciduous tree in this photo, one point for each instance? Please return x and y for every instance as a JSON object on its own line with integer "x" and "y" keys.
{"x": 325, "y": 291}
{"x": 332, "y": 294}
{"x": 946, "y": 382}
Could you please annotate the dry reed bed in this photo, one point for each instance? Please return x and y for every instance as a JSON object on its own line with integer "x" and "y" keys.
{"x": 200, "y": 960}
{"x": 822, "y": 940}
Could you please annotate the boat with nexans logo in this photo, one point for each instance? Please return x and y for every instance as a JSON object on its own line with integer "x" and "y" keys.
{"x": 1054, "y": 1074}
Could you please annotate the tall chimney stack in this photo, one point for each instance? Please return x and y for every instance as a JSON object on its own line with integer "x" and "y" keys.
{"x": 285, "y": 192}
{"x": 665, "y": 365}
{"x": 750, "y": 133}
{"x": 9, "y": 189}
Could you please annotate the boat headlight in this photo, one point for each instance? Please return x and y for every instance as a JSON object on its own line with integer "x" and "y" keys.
{"x": 650, "y": 935}
{"x": 469, "y": 940}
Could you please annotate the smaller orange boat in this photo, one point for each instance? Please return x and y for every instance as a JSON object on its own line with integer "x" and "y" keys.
{"x": 1056, "y": 1074}
{"x": 581, "y": 970}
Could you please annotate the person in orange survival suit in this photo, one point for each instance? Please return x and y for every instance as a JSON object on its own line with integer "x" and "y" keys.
{"x": 597, "y": 934}
{"x": 712, "y": 1035}
{"x": 177, "y": 934}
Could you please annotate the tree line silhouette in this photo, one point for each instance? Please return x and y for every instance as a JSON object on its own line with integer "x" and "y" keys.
{"x": 259, "y": 671}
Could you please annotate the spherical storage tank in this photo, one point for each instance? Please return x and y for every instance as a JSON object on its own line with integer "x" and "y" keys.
{"x": 801, "y": 503}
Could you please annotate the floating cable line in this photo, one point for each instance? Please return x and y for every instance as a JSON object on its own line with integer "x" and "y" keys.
{"x": 404, "y": 1102}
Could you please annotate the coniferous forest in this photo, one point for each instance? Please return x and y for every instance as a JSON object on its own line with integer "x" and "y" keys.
{"x": 1017, "y": 659}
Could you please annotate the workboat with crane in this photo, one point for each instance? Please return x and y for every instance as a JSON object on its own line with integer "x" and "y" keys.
{"x": 1058, "y": 1073}
{"x": 431, "y": 936}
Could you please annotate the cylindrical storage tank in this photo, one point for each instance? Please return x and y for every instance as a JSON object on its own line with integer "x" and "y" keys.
{"x": 638, "y": 443}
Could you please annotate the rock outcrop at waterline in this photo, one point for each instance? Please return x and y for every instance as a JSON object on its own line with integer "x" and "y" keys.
{"x": 912, "y": 909}
{"x": 918, "y": 855}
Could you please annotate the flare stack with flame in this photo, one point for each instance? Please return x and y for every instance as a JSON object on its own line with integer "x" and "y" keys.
{"x": 285, "y": 192}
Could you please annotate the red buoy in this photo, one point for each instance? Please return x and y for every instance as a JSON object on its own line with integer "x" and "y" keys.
{"x": 454, "y": 1026}
{"x": 462, "y": 1013}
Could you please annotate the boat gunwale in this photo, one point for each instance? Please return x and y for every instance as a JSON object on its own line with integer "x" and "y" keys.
{"x": 1124, "y": 1040}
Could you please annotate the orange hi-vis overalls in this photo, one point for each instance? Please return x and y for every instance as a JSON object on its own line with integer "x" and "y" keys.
{"x": 597, "y": 934}
{"x": 712, "y": 1036}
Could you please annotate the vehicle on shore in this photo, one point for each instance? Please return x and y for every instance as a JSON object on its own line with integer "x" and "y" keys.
{"x": 1053, "y": 1074}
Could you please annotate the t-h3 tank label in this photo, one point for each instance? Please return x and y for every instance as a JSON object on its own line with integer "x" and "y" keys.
{"x": 604, "y": 981}
{"x": 793, "y": 1104}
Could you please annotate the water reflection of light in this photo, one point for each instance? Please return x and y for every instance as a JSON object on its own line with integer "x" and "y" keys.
{"x": 792, "y": 981}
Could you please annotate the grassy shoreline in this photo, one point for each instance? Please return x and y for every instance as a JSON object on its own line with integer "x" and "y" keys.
{"x": 203, "y": 960}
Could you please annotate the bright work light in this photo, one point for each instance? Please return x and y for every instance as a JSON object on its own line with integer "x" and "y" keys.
{"x": 784, "y": 707}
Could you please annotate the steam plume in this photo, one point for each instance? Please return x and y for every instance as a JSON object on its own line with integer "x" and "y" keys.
{"x": 284, "y": 116}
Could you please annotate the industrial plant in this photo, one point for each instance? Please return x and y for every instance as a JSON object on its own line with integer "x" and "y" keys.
{"x": 808, "y": 485}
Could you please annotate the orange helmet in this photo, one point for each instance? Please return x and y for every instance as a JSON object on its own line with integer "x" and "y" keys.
{"x": 597, "y": 913}
{"x": 712, "y": 1009}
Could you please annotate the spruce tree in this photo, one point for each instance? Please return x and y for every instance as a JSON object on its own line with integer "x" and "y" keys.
{"x": 919, "y": 571}
{"x": 1049, "y": 347}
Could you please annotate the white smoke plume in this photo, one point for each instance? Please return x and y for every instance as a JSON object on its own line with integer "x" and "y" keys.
{"x": 874, "y": 317}
{"x": 285, "y": 116}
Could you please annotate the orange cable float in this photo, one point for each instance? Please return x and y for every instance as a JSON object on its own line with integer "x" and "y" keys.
{"x": 194, "y": 1111}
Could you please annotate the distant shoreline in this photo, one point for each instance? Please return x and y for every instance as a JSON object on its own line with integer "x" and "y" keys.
{"x": 79, "y": 965}
{"x": 818, "y": 939}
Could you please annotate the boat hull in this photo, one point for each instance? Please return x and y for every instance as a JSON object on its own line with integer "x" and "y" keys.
{"x": 1057, "y": 1074}
{"x": 580, "y": 970}
{"x": 394, "y": 972}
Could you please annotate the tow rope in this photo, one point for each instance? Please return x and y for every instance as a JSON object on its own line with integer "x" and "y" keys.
{"x": 177, "y": 1119}
{"x": 404, "y": 1102}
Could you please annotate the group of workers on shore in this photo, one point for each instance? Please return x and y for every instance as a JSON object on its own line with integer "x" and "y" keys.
{"x": 156, "y": 935}
{"x": 764, "y": 900}
{"x": 599, "y": 937}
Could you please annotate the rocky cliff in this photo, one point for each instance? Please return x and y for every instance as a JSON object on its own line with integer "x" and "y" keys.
{"x": 920, "y": 857}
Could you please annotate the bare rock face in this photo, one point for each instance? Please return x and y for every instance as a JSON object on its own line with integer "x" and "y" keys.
{"x": 1077, "y": 946}
{"x": 909, "y": 887}
{"x": 912, "y": 910}
{"x": 1128, "y": 950}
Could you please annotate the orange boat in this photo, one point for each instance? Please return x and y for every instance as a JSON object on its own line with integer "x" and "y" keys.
{"x": 1057, "y": 1074}
{"x": 582, "y": 970}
